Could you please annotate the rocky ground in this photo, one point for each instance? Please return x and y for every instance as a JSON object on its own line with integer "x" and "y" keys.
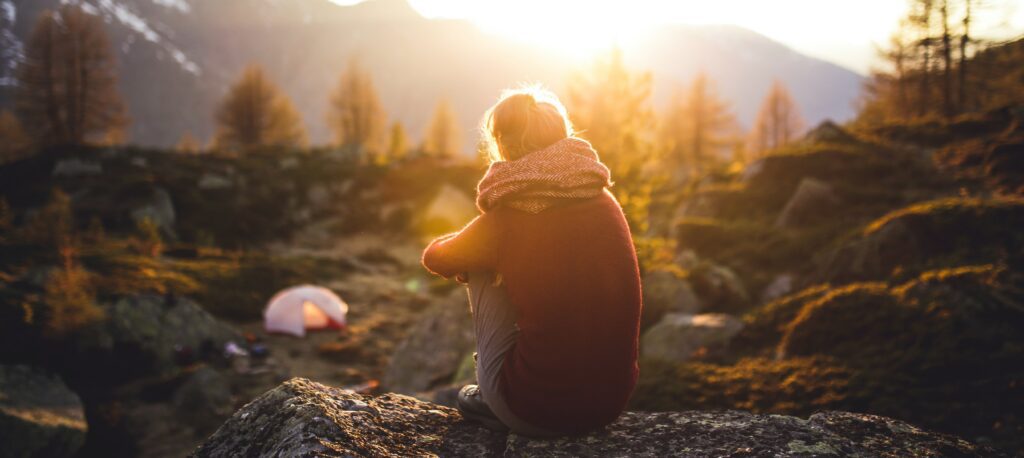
{"x": 304, "y": 418}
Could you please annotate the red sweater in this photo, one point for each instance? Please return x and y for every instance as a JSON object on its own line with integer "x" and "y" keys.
{"x": 571, "y": 272}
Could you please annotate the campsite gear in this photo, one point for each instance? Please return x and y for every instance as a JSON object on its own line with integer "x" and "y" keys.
{"x": 471, "y": 405}
{"x": 231, "y": 349}
{"x": 259, "y": 351}
{"x": 566, "y": 170}
{"x": 294, "y": 310}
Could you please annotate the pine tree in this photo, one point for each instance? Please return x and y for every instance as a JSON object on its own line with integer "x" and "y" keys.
{"x": 256, "y": 114}
{"x": 187, "y": 144}
{"x": 443, "y": 137}
{"x": 778, "y": 121}
{"x": 698, "y": 126}
{"x": 355, "y": 114}
{"x": 67, "y": 83}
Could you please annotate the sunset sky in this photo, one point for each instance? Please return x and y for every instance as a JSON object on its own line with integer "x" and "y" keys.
{"x": 841, "y": 31}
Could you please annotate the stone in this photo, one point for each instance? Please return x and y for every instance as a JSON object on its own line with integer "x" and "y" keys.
{"x": 432, "y": 352}
{"x": 150, "y": 333}
{"x": 39, "y": 415}
{"x": 812, "y": 201}
{"x": 212, "y": 181}
{"x": 718, "y": 287}
{"x": 830, "y": 132}
{"x": 205, "y": 399}
{"x": 304, "y": 418}
{"x": 450, "y": 208}
{"x": 678, "y": 335}
{"x": 159, "y": 208}
{"x": 780, "y": 286}
{"x": 76, "y": 167}
{"x": 666, "y": 291}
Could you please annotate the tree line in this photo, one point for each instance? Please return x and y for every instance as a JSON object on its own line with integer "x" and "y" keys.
{"x": 937, "y": 67}
{"x": 67, "y": 95}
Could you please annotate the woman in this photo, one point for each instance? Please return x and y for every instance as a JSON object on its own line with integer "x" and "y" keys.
{"x": 553, "y": 280}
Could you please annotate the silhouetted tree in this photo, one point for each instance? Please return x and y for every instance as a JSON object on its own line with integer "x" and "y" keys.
{"x": 778, "y": 122}
{"x": 255, "y": 113}
{"x": 67, "y": 83}
{"x": 355, "y": 114}
{"x": 443, "y": 137}
{"x": 398, "y": 142}
{"x": 14, "y": 142}
{"x": 698, "y": 126}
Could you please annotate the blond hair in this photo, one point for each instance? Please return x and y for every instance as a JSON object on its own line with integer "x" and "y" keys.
{"x": 523, "y": 121}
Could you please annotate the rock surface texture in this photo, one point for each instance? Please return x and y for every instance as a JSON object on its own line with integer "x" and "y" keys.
{"x": 39, "y": 415}
{"x": 304, "y": 418}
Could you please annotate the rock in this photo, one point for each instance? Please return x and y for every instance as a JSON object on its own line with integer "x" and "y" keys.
{"x": 678, "y": 335}
{"x": 150, "y": 334}
{"x": 205, "y": 399}
{"x": 76, "y": 167}
{"x": 303, "y": 418}
{"x": 666, "y": 291}
{"x": 812, "y": 201}
{"x": 719, "y": 288}
{"x": 829, "y": 132}
{"x": 39, "y": 415}
{"x": 159, "y": 209}
{"x": 430, "y": 355}
{"x": 212, "y": 181}
{"x": 319, "y": 196}
{"x": 780, "y": 286}
{"x": 139, "y": 162}
{"x": 451, "y": 208}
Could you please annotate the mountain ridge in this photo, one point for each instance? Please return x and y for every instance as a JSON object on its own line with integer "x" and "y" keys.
{"x": 193, "y": 51}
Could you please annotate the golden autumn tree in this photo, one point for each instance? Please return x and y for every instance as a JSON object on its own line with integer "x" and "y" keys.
{"x": 14, "y": 142}
{"x": 610, "y": 104}
{"x": 256, "y": 114}
{"x": 355, "y": 113}
{"x": 188, "y": 144}
{"x": 67, "y": 82}
{"x": 443, "y": 137}
{"x": 398, "y": 142}
{"x": 778, "y": 122}
{"x": 698, "y": 126}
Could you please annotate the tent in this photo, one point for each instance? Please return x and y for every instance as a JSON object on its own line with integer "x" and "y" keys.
{"x": 296, "y": 309}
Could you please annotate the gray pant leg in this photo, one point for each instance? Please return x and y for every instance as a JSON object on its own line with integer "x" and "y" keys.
{"x": 494, "y": 320}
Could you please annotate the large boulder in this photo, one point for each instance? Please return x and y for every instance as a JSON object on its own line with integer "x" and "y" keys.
{"x": 204, "y": 399}
{"x": 151, "y": 334}
{"x": 431, "y": 353}
{"x": 719, "y": 288}
{"x": 940, "y": 233}
{"x": 678, "y": 335}
{"x": 303, "y": 418}
{"x": 666, "y": 291}
{"x": 812, "y": 201}
{"x": 159, "y": 209}
{"x": 39, "y": 415}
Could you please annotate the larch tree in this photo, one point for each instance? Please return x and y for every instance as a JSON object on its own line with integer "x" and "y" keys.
{"x": 444, "y": 136}
{"x": 355, "y": 113}
{"x": 188, "y": 144}
{"x": 67, "y": 83}
{"x": 698, "y": 126}
{"x": 398, "y": 142}
{"x": 610, "y": 105}
{"x": 778, "y": 122}
{"x": 256, "y": 114}
{"x": 14, "y": 142}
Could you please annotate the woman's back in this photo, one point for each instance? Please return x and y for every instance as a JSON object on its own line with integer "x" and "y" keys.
{"x": 572, "y": 274}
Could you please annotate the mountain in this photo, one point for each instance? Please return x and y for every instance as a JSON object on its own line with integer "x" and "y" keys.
{"x": 179, "y": 57}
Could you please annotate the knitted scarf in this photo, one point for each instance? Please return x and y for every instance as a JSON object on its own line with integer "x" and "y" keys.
{"x": 568, "y": 169}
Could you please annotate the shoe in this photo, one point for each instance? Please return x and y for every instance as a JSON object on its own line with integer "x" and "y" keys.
{"x": 471, "y": 405}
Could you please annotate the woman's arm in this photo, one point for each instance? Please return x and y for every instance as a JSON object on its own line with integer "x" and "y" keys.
{"x": 475, "y": 247}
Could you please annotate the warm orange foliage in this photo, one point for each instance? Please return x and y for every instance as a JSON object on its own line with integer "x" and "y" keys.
{"x": 255, "y": 114}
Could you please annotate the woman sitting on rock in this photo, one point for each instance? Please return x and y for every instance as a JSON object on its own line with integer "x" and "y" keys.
{"x": 553, "y": 281}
